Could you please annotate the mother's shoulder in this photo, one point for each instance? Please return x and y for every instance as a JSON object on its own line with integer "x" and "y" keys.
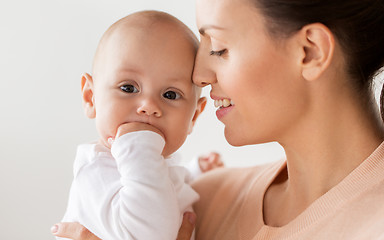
{"x": 232, "y": 176}
{"x": 223, "y": 189}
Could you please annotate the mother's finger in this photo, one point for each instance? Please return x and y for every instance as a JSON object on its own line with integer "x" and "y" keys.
{"x": 186, "y": 229}
{"x": 73, "y": 230}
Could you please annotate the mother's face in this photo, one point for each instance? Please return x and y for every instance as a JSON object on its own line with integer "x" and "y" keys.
{"x": 243, "y": 64}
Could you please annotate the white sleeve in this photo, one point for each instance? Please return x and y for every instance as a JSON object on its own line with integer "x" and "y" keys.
{"x": 194, "y": 169}
{"x": 143, "y": 203}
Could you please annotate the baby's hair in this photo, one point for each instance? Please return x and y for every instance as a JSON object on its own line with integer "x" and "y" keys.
{"x": 358, "y": 26}
{"x": 146, "y": 21}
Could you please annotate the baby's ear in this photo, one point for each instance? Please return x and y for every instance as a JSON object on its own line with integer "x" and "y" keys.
{"x": 88, "y": 96}
{"x": 199, "y": 109}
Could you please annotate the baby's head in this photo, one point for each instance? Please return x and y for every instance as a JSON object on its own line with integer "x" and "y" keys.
{"x": 142, "y": 72}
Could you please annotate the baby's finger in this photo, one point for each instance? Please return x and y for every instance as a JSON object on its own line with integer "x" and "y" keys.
{"x": 110, "y": 142}
{"x": 72, "y": 230}
{"x": 136, "y": 126}
{"x": 186, "y": 229}
{"x": 215, "y": 159}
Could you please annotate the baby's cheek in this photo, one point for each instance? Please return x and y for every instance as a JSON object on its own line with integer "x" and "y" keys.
{"x": 175, "y": 140}
{"x": 106, "y": 128}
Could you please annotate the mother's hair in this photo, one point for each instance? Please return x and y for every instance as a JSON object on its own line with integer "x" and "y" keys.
{"x": 357, "y": 24}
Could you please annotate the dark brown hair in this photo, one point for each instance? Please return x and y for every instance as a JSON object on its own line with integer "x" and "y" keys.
{"x": 358, "y": 25}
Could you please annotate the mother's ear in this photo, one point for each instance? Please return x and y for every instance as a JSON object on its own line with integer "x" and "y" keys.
{"x": 318, "y": 46}
{"x": 88, "y": 95}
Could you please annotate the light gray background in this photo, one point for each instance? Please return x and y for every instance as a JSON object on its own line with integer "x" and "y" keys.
{"x": 45, "y": 45}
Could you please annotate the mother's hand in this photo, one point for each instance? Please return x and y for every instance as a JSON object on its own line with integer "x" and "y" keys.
{"x": 186, "y": 229}
{"x": 76, "y": 231}
{"x": 73, "y": 230}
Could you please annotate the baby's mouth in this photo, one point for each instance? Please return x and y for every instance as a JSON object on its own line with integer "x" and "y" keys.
{"x": 223, "y": 103}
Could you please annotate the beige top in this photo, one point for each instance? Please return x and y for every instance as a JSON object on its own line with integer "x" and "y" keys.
{"x": 231, "y": 205}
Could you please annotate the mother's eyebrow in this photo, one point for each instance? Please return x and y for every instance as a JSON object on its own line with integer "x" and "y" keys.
{"x": 205, "y": 27}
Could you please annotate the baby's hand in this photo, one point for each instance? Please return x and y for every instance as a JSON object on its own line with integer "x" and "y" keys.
{"x": 133, "y": 127}
{"x": 210, "y": 162}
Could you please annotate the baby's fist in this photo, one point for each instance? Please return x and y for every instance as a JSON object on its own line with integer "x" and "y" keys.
{"x": 210, "y": 162}
{"x": 134, "y": 127}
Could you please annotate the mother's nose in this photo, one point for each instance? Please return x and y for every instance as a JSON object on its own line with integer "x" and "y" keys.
{"x": 203, "y": 72}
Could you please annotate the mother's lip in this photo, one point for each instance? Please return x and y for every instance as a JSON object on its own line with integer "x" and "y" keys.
{"x": 214, "y": 97}
{"x": 222, "y": 112}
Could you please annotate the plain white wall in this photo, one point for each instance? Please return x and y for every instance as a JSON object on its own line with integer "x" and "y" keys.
{"x": 45, "y": 45}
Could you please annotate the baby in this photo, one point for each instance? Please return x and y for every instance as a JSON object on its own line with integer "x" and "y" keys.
{"x": 145, "y": 104}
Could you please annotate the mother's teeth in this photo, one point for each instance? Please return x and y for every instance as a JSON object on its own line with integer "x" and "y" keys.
{"x": 226, "y": 103}
{"x": 217, "y": 103}
{"x": 223, "y": 103}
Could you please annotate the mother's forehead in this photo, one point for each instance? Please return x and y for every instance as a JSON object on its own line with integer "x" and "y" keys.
{"x": 224, "y": 12}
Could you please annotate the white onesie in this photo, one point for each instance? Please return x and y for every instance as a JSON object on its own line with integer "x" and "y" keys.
{"x": 130, "y": 191}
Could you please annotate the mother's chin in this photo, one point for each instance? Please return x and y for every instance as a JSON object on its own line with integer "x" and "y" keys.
{"x": 237, "y": 137}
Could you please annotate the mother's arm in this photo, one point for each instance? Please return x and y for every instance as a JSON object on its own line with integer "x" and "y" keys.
{"x": 76, "y": 231}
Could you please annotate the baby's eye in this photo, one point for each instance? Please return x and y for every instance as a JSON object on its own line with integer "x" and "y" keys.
{"x": 129, "y": 88}
{"x": 171, "y": 95}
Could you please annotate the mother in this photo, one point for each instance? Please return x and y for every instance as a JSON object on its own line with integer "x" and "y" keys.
{"x": 300, "y": 73}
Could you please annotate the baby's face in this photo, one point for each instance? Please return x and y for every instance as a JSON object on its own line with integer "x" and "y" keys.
{"x": 146, "y": 78}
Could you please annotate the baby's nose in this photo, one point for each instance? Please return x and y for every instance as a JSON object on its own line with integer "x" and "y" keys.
{"x": 149, "y": 107}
